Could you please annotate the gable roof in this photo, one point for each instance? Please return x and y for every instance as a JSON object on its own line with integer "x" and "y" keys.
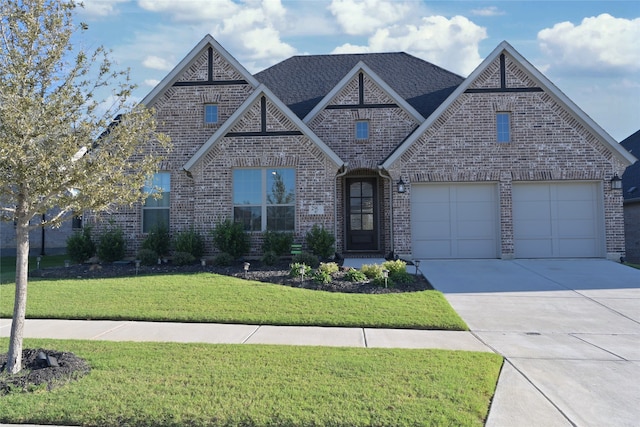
{"x": 541, "y": 80}
{"x": 362, "y": 67}
{"x": 301, "y": 82}
{"x": 631, "y": 177}
{"x": 206, "y": 42}
{"x": 239, "y": 113}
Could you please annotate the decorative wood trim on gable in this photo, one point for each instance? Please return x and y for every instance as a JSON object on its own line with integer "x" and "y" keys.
{"x": 263, "y": 126}
{"x": 503, "y": 83}
{"x": 210, "y": 81}
{"x": 361, "y": 104}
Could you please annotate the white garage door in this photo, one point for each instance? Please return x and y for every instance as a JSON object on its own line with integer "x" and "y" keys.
{"x": 557, "y": 220}
{"x": 454, "y": 220}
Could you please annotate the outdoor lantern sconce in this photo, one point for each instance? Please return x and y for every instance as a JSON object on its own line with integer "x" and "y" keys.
{"x": 246, "y": 269}
{"x": 616, "y": 182}
{"x": 401, "y": 188}
{"x": 385, "y": 274}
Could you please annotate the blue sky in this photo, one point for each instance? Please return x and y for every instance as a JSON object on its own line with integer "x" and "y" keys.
{"x": 589, "y": 49}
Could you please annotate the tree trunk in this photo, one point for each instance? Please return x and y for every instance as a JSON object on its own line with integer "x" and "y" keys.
{"x": 14, "y": 358}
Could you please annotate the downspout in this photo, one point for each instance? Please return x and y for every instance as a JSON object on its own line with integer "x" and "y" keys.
{"x": 388, "y": 176}
{"x": 335, "y": 202}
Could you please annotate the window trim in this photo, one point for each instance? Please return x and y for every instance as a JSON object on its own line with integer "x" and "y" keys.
{"x": 149, "y": 189}
{"x": 500, "y": 131}
{"x": 357, "y": 130}
{"x": 206, "y": 116}
{"x": 264, "y": 204}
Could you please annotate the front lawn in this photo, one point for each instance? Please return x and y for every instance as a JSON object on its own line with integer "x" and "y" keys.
{"x": 8, "y": 265}
{"x": 212, "y": 298}
{"x": 145, "y": 384}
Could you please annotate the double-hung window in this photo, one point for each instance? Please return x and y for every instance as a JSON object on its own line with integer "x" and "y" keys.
{"x": 503, "y": 127}
{"x": 362, "y": 129}
{"x": 264, "y": 199}
{"x": 210, "y": 114}
{"x": 155, "y": 211}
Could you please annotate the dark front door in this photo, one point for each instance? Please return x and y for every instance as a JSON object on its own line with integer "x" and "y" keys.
{"x": 362, "y": 217}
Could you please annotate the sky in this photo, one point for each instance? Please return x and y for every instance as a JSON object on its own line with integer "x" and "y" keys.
{"x": 589, "y": 49}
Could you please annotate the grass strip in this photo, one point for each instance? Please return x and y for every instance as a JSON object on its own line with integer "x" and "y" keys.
{"x": 212, "y": 298}
{"x": 151, "y": 384}
{"x": 8, "y": 265}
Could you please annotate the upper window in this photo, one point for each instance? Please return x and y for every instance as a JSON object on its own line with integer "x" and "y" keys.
{"x": 362, "y": 129}
{"x": 211, "y": 113}
{"x": 264, "y": 199}
{"x": 503, "y": 127}
{"x": 155, "y": 211}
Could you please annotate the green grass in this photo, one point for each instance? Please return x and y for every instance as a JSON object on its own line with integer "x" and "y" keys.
{"x": 8, "y": 265}
{"x": 149, "y": 384}
{"x": 206, "y": 297}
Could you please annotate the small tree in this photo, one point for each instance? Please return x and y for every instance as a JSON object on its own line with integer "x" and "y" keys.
{"x": 59, "y": 146}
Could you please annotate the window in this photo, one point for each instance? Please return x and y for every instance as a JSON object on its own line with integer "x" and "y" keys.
{"x": 264, "y": 199}
{"x": 503, "y": 127}
{"x": 156, "y": 210}
{"x": 210, "y": 114}
{"x": 362, "y": 129}
{"x": 76, "y": 222}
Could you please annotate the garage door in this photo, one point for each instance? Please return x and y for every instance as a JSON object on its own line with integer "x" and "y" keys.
{"x": 557, "y": 220}
{"x": 454, "y": 220}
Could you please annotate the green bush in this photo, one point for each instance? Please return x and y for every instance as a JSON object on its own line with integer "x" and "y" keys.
{"x": 157, "y": 240}
{"x": 322, "y": 277}
{"x": 329, "y": 267}
{"x": 277, "y": 242}
{"x": 183, "y": 258}
{"x": 397, "y": 266}
{"x": 231, "y": 238}
{"x": 401, "y": 277}
{"x": 148, "y": 256}
{"x": 80, "y": 247}
{"x": 190, "y": 242}
{"x": 223, "y": 259}
{"x": 306, "y": 258}
{"x": 320, "y": 242}
{"x": 111, "y": 245}
{"x": 372, "y": 271}
{"x": 295, "y": 269}
{"x": 354, "y": 275}
{"x": 270, "y": 258}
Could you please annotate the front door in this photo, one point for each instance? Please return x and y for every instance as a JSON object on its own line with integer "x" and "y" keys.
{"x": 362, "y": 218}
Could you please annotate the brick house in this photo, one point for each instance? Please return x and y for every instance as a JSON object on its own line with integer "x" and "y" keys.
{"x": 391, "y": 153}
{"x": 631, "y": 191}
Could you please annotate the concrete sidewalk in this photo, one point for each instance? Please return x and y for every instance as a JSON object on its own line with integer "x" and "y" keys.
{"x": 246, "y": 334}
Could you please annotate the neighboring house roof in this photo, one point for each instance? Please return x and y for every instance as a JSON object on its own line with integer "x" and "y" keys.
{"x": 301, "y": 82}
{"x": 631, "y": 177}
{"x": 542, "y": 81}
{"x": 239, "y": 113}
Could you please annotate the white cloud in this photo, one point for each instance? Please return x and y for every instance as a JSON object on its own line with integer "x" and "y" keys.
{"x": 602, "y": 44}
{"x": 192, "y": 10}
{"x": 449, "y": 43}
{"x": 488, "y": 11}
{"x": 151, "y": 82}
{"x": 357, "y": 17}
{"x": 100, "y": 7}
{"x": 157, "y": 63}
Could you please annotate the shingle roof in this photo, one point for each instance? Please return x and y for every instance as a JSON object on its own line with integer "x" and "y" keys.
{"x": 302, "y": 81}
{"x": 631, "y": 177}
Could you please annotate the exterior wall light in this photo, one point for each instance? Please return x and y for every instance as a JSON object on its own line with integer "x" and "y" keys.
{"x": 401, "y": 188}
{"x": 616, "y": 182}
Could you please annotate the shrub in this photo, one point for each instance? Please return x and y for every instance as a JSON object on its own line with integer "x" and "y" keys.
{"x": 190, "y": 242}
{"x": 80, "y": 247}
{"x": 372, "y": 271}
{"x": 157, "y": 240}
{"x": 270, "y": 258}
{"x": 401, "y": 277}
{"x": 354, "y": 275}
{"x": 329, "y": 267}
{"x": 322, "y": 277}
{"x": 394, "y": 267}
{"x": 111, "y": 245}
{"x": 148, "y": 256}
{"x": 295, "y": 269}
{"x": 183, "y": 258}
{"x": 231, "y": 238}
{"x": 223, "y": 259}
{"x": 276, "y": 242}
{"x": 320, "y": 242}
{"x": 306, "y": 258}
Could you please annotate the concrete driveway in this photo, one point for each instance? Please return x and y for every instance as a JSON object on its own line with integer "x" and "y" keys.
{"x": 569, "y": 330}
